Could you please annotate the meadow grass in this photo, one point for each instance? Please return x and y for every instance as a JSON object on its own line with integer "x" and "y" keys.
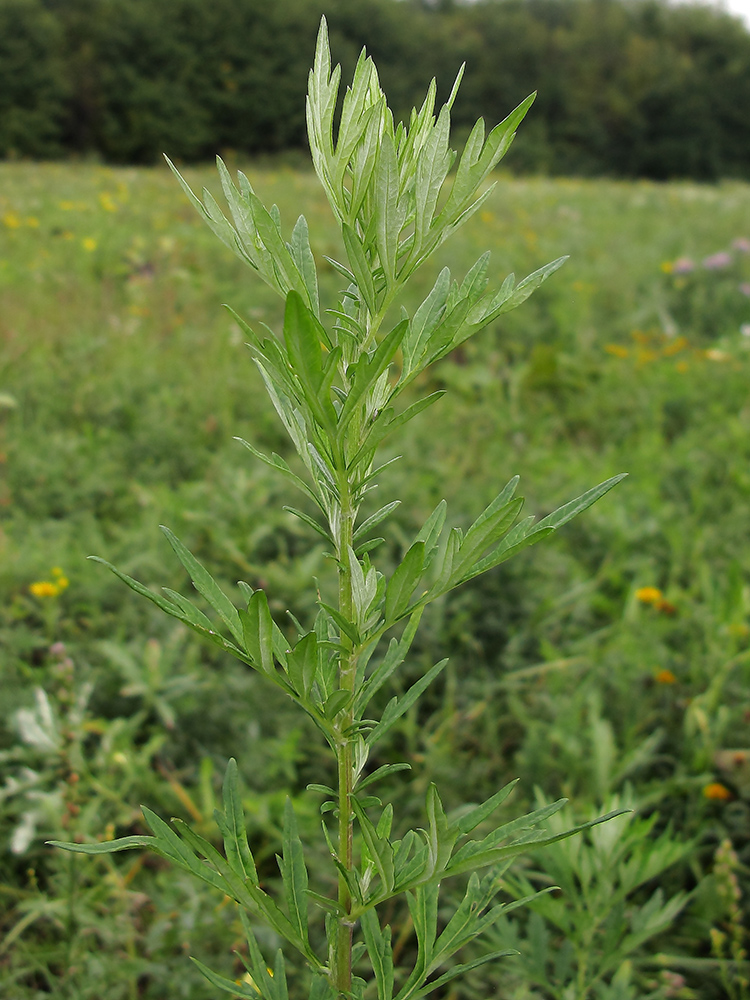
{"x": 576, "y": 675}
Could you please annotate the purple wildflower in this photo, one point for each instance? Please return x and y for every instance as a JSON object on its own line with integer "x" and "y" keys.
{"x": 741, "y": 244}
{"x": 745, "y": 288}
{"x": 683, "y": 265}
{"x": 717, "y": 261}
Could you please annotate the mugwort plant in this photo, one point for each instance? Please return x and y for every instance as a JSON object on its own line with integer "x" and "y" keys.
{"x": 337, "y": 378}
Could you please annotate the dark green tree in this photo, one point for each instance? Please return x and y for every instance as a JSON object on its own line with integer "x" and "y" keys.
{"x": 32, "y": 80}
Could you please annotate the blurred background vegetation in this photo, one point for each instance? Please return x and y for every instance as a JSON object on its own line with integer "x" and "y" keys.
{"x": 611, "y": 665}
{"x": 627, "y": 88}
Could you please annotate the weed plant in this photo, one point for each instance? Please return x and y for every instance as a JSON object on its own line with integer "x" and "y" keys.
{"x": 337, "y": 389}
{"x": 614, "y": 654}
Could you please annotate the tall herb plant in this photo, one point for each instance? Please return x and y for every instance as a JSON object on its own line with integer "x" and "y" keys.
{"x": 336, "y": 378}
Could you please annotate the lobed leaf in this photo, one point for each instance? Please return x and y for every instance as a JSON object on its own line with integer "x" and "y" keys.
{"x": 379, "y": 949}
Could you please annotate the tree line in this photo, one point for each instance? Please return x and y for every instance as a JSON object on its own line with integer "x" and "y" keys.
{"x": 629, "y": 88}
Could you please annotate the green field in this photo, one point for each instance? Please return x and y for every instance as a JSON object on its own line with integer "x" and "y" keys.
{"x": 611, "y": 665}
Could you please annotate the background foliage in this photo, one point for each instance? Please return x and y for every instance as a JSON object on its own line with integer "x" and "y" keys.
{"x": 629, "y": 88}
{"x": 612, "y": 665}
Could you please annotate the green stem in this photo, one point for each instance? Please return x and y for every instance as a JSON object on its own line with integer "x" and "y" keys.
{"x": 347, "y": 677}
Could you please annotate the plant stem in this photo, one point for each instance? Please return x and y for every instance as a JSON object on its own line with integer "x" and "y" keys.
{"x": 347, "y": 677}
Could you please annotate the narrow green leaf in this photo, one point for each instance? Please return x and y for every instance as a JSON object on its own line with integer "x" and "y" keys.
{"x": 375, "y": 519}
{"x": 368, "y": 546}
{"x": 393, "y": 659}
{"x": 309, "y": 521}
{"x": 470, "y": 820}
{"x": 487, "y": 530}
{"x": 432, "y": 169}
{"x": 303, "y": 335}
{"x": 360, "y": 268}
{"x": 366, "y": 156}
{"x": 294, "y": 872}
{"x": 534, "y": 840}
{"x": 569, "y": 510}
{"x": 526, "y": 288}
{"x": 106, "y": 847}
{"x": 160, "y": 602}
{"x": 302, "y": 663}
{"x": 379, "y": 848}
{"x": 303, "y": 258}
{"x": 379, "y": 950}
{"x": 189, "y": 610}
{"x": 326, "y": 903}
{"x": 257, "y": 628}
{"x": 348, "y": 628}
{"x": 385, "y": 423}
{"x": 277, "y": 462}
{"x": 256, "y": 964}
{"x": 236, "y": 845}
{"x": 386, "y": 207}
{"x": 396, "y": 707}
{"x": 335, "y": 703}
{"x": 237, "y": 989}
{"x": 403, "y": 581}
{"x": 368, "y": 371}
{"x": 424, "y": 321}
{"x": 217, "y": 223}
{"x": 509, "y": 831}
{"x": 206, "y": 585}
{"x": 325, "y": 789}
{"x": 460, "y": 970}
{"x": 302, "y": 341}
{"x": 381, "y": 772}
{"x": 441, "y": 836}
{"x": 174, "y": 847}
{"x": 443, "y": 581}
{"x": 245, "y": 893}
{"x": 423, "y": 906}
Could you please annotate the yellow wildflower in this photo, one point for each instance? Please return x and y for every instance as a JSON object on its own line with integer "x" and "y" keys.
{"x": 617, "y": 350}
{"x": 666, "y": 266}
{"x": 44, "y": 588}
{"x": 11, "y": 220}
{"x": 107, "y": 202}
{"x": 665, "y": 677}
{"x": 89, "y": 244}
{"x": 675, "y": 346}
{"x": 646, "y": 355}
{"x": 717, "y": 792}
{"x": 648, "y": 595}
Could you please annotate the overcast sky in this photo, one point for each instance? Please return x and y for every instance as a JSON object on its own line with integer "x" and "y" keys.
{"x": 741, "y": 7}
